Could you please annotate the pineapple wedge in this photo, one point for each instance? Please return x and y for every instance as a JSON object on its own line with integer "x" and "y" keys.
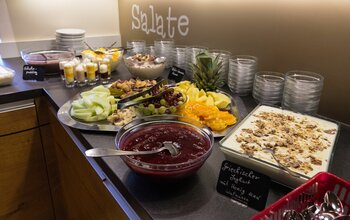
{"x": 193, "y": 93}
{"x": 220, "y": 100}
{"x": 210, "y": 101}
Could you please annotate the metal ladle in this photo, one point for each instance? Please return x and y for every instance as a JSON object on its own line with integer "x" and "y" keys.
{"x": 106, "y": 152}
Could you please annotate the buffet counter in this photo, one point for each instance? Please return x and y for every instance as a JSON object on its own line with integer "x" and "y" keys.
{"x": 192, "y": 198}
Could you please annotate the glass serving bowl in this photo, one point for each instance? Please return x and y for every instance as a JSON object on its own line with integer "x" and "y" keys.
{"x": 194, "y": 141}
{"x": 142, "y": 66}
{"x": 46, "y": 59}
{"x": 114, "y": 54}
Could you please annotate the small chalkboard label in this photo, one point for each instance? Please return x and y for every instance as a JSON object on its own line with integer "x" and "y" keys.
{"x": 243, "y": 185}
{"x": 176, "y": 73}
{"x": 33, "y": 73}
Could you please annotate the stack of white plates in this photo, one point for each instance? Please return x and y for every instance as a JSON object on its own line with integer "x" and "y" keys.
{"x": 70, "y": 38}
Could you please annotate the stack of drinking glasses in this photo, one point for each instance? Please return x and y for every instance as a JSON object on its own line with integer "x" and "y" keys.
{"x": 138, "y": 46}
{"x": 191, "y": 53}
{"x": 242, "y": 69}
{"x": 164, "y": 48}
{"x": 302, "y": 91}
{"x": 150, "y": 50}
{"x": 268, "y": 87}
{"x": 179, "y": 56}
{"x": 224, "y": 57}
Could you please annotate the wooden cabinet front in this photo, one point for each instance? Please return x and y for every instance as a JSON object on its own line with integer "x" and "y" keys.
{"x": 77, "y": 191}
{"x": 13, "y": 121}
{"x": 43, "y": 174}
{"x": 24, "y": 189}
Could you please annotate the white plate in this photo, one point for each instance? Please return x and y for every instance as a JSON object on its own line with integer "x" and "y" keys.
{"x": 70, "y": 31}
{"x": 69, "y": 39}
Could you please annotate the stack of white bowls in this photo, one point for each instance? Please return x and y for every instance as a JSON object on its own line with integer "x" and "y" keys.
{"x": 223, "y": 57}
{"x": 70, "y": 39}
{"x": 242, "y": 70}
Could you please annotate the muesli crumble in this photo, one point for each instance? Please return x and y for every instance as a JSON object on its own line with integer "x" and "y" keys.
{"x": 296, "y": 141}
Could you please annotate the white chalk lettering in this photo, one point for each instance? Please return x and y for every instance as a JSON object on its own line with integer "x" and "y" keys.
{"x": 250, "y": 194}
{"x": 135, "y": 9}
{"x": 151, "y": 22}
{"x": 183, "y": 25}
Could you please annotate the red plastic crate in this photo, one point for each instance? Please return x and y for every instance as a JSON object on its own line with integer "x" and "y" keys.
{"x": 312, "y": 190}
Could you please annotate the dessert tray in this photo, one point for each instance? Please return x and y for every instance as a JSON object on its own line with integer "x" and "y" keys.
{"x": 302, "y": 143}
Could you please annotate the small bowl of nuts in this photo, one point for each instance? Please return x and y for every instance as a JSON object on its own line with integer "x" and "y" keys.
{"x": 145, "y": 66}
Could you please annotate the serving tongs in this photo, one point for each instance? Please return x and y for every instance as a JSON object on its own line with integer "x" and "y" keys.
{"x": 124, "y": 49}
{"x": 130, "y": 100}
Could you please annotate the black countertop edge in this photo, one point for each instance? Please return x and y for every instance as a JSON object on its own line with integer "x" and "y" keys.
{"x": 21, "y": 95}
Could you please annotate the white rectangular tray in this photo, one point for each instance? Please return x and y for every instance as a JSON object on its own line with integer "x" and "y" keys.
{"x": 263, "y": 162}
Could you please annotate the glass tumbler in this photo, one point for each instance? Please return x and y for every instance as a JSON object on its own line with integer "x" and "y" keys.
{"x": 191, "y": 53}
{"x": 242, "y": 69}
{"x": 268, "y": 87}
{"x": 91, "y": 73}
{"x": 302, "y": 91}
{"x": 69, "y": 75}
{"x": 179, "y": 56}
{"x": 80, "y": 75}
{"x": 164, "y": 48}
{"x": 61, "y": 64}
{"x": 224, "y": 57}
{"x": 150, "y": 50}
{"x": 138, "y": 46}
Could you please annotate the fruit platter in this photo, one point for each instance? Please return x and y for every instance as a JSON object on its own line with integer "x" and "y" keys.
{"x": 109, "y": 107}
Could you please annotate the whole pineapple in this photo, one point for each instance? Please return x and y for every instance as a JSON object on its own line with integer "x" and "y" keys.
{"x": 206, "y": 72}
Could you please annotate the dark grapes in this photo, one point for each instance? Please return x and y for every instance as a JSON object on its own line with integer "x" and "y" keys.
{"x": 167, "y": 103}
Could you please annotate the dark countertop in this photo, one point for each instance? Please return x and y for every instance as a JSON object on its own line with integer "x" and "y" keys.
{"x": 191, "y": 198}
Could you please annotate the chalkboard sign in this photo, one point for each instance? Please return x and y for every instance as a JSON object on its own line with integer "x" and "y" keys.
{"x": 176, "y": 73}
{"x": 33, "y": 73}
{"x": 243, "y": 185}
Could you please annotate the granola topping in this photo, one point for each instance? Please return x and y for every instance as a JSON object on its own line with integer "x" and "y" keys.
{"x": 296, "y": 141}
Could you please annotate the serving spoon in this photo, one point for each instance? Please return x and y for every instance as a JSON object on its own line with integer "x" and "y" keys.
{"x": 107, "y": 152}
{"x": 272, "y": 152}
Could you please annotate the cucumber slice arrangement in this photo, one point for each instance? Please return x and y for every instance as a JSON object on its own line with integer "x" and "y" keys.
{"x": 94, "y": 105}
